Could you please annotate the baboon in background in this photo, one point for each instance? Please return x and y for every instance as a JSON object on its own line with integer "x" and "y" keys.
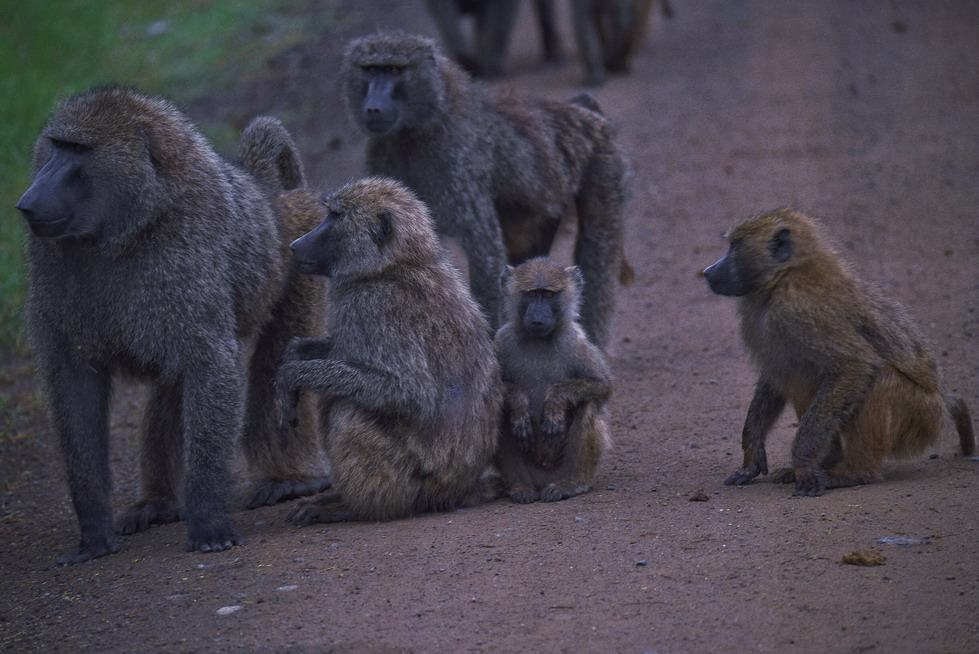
{"x": 493, "y": 24}
{"x": 149, "y": 255}
{"x": 851, "y": 362}
{"x": 497, "y": 172}
{"x": 608, "y": 33}
{"x": 408, "y": 380}
{"x": 555, "y": 422}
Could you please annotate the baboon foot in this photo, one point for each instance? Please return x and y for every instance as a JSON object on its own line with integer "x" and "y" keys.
{"x": 745, "y": 474}
{"x": 843, "y": 478}
{"x": 809, "y": 482}
{"x": 90, "y": 547}
{"x": 560, "y": 491}
{"x": 273, "y": 490}
{"x": 784, "y": 476}
{"x": 141, "y": 515}
{"x": 324, "y": 508}
{"x": 212, "y": 535}
{"x": 523, "y": 494}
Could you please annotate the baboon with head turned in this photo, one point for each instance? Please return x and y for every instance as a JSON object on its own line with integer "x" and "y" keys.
{"x": 557, "y": 383}
{"x": 149, "y": 255}
{"x": 851, "y": 362}
{"x": 497, "y": 172}
{"x": 408, "y": 379}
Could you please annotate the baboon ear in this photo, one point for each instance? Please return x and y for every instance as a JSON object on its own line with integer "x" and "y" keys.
{"x": 151, "y": 146}
{"x": 781, "y": 245}
{"x": 384, "y": 228}
{"x": 574, "y": 272}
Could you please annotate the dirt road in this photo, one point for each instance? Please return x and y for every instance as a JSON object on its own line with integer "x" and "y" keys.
{"x": 863, "y": 114}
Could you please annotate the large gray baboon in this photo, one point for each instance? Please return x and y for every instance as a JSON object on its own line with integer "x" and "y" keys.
{"x": 498, "y": 172}
{"x": 555, "y": 422}
{"x": 408, "y": 380}
{"x": 149, "y": 255}
{"x": 852, "y": 363}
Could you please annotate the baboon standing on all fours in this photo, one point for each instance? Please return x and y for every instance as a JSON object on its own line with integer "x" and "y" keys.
{"x": 497, "y": 172}
{"x": 608, "y": 33}
{"x": 555, "y": 422}
{"x": 408, "y": 379}
{"x": 851, "y": 362}
{"x": 149, "y": 255}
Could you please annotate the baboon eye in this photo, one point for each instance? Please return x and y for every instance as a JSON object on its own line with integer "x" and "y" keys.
{"x": 394, "y": 71}
{"x": 77, "y": 148}
{"x": 548, "y": 293}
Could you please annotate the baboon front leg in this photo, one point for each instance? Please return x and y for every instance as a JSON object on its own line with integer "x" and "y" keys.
{"x": 213, "y": 408}
{"x": 832, "y": 407}
{"x": 516, "y": 402}
{"x": 766, "y": 406}
{"x": 161, "y": 463}
{"x": 79, "y": 399}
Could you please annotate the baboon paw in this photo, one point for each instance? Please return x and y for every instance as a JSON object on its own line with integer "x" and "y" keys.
{"x": 744, "y": 476}
{"x": 213, "y": 537}
{"x": 91, "y": 547}
{"x": 784, "y": 476}
{"x": 523, "y": 495}
{"x": 273, "y": 490}
{"x": 309, "y": 513}
{"x": 522, "y": 430}
{"x": 809, "y": 483}
{"x": 557, "y": 492}
{"x": 140, "y": 516}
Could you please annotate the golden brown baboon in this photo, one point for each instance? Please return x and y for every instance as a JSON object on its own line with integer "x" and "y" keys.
{"x": 851, "y": 362}
{"x": 555, "y": 422}
{"x": 149, "y": 255}
{"x": 408, "y": 379}
{"x": 498, "y": 172}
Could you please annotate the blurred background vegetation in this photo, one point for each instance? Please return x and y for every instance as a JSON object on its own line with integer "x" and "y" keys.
{"x": 178, "y": 48}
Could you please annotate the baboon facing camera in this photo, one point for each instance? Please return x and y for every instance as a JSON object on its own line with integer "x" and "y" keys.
{"x": 852, "y": 363}
{"x": 555, "y": 421}
{"x": 408, "y": 380}
{"x": 148, "y": 255}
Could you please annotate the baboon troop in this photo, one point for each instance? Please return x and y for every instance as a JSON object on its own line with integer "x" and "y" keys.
{"x": 498, "y": 172}
{"x": 333, "y": 340}
{"x": 148, "y": 255}
{"x": 851, "y": 362}
{"x": 408, "y": 382}
{"x": 557, "y": 384}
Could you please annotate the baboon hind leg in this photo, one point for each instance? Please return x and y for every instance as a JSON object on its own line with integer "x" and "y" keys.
{"x": 293, "y": 467}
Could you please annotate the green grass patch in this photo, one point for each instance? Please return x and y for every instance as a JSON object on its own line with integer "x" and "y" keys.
{"x": 179, "y": 48}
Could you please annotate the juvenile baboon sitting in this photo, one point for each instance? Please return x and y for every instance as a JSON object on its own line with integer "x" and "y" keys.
{"x": 408, "y": 379}
{"x": 149, "y": 255}
{"x": 497, "y": 171}
{"x": 852, "y": 363}
{"x": 557, "y": 383}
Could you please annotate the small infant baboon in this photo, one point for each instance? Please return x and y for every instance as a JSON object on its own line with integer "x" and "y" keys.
{"x": 151, "y": 256}
{"x": 557, "y": 384}
{"x": 408, "y": 380}
{"x": 497, "y": 172}
{"x": 852, "y": 363}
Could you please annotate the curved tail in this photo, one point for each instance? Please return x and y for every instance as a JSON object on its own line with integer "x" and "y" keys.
{"x": 963, "y": 423}
{"x": 267, "y": 151}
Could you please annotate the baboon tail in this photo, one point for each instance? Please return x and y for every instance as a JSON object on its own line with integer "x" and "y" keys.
{"x": 627, "y": 274}
{"x": 586, "y": 100}
{"x": 267, "y": 151}
{"x": 963, "y": 423}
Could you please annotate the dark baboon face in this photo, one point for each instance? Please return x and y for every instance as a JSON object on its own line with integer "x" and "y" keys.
{"x": 55, "y": 200}
{"x": 96, "y": 173}
{"x": 542, "y": 295}
{"x": 391, "y": 82}
{"x": 369, "y": 225}
{"x": 759, "y": 248}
